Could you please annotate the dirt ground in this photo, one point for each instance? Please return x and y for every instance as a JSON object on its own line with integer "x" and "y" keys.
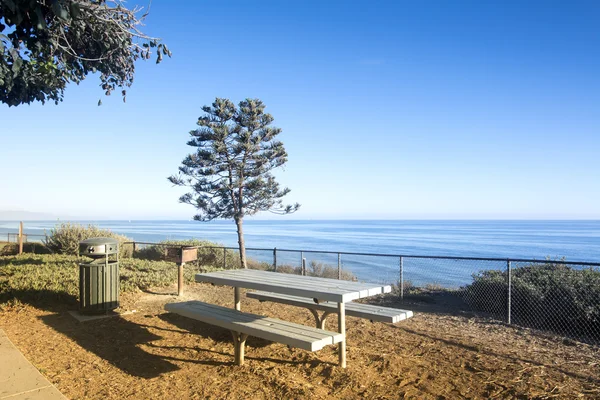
{"x": 151, "y": 354}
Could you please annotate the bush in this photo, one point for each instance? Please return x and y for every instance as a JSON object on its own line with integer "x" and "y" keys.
{"x": 11, "y": 249}
{"x": 207, "y": 256}
{"x": 328, "y": 271}
{"x": 65, "y": 238}
{"x": 50, "y": 279}
{"x": 546, "y": 296}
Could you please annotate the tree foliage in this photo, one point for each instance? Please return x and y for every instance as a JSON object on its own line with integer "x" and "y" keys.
{"x": 229, "y": 173}
{"x": 45, "y": 44}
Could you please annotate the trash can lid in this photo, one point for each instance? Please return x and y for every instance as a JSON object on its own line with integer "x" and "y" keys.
{"x": 99, "y": 241}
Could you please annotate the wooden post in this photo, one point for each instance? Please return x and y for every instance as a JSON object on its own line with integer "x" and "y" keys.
{"x": 304, "y": 266}
{"x": 224, "y": 258}
{"x": 133, "y": 252}
{"x": 237, "y": 299}
{"x": 180, "y": 280}
{"x": 275, "y": 259}
{"x": 339, "y": 266}
{"x": 342, "y": 330}
{"x": 21, "y": 238}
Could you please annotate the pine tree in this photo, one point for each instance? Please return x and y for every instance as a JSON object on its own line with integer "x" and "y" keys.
{"x": 229, "y": 173}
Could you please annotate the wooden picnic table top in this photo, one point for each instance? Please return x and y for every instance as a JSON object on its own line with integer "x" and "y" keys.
{"x": 335, "y": 290}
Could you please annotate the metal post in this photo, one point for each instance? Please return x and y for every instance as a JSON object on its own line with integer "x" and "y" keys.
{"x": 401, "y": 278}
{"x": 275, "y": 259}
{"x": 237, "y": 298}
{"x": 21, "y": 238}
{"x": 342, "y": 330}
{"x": 509, "y": 299}
{"x": 224, "y": 258}
{"x": 339, "y": 266}
{"x": 180, "y": 279}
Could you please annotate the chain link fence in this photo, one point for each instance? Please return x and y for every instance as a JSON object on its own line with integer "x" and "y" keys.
{"x": 554, "y": 296}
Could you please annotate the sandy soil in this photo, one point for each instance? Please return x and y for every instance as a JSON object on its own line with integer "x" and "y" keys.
{"x": 151, "y": 354}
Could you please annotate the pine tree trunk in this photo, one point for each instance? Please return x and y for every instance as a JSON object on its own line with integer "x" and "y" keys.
{"x": 240, "y": 231}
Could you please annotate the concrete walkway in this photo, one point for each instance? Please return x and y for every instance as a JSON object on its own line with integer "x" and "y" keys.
{"x": 19, "y": 379}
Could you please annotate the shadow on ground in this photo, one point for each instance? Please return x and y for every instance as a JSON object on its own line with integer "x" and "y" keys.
{"x": 187, "y": 325}
{"x": 208, "y": 331}
{"x": 432, "y": 302}
{"x": 114, "y": 339}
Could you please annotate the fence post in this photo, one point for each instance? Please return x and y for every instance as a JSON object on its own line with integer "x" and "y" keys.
{"x": 301, "y": 263}
{"x": 304, "y": 267}
{"x": 274, "y": 258}
{"x": 509, "y": 298}
{"x": 133, "y": 252}
{"x": 401, "y": 278}
{"x": 21, "y": 238}
{"x": 339, "y": 266}
{"x": 224, "y": 258}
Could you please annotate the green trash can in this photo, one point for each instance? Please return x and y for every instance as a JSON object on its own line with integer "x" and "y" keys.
{"x": 99, "y": 278}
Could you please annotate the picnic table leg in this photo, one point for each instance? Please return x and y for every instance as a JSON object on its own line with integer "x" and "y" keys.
{"x": 237, "y": 299}
{"x": 342, "y": 330}
{"x": 320, "y": 322}
{"x": 239, "y": 343}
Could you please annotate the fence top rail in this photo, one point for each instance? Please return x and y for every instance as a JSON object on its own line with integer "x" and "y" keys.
{"x": 524, "y": 260}
{"x": 24, "y": 234}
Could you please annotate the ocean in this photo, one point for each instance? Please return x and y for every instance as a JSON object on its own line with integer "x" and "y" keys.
{"x": 572, "y": 240}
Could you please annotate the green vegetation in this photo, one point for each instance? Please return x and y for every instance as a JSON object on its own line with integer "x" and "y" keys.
{"x": 229, "y": 172}
{"x": 207, "y": 257}
{"x": 46, "y": 279}
{"x": 65, "y": 238}
{"x": 548, "y": 296}
{"x": 43, "y": 279}
{"x": 12, "y": 248}
{"x": 46, "y": 44}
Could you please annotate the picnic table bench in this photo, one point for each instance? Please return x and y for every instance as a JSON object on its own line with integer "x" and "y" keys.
{"x": 243, "y": 325}
{"x": 366, "y": 311}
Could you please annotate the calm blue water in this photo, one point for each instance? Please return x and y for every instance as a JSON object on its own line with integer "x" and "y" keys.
{"x": 573, "y": 240}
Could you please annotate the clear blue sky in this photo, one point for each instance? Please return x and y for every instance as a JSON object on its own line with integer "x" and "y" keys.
{"x": 389, "y": 110}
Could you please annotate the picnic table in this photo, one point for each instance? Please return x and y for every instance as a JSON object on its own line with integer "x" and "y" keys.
{"x": 319, "y": 289}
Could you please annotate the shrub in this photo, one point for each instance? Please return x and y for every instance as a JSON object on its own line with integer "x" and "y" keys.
{"x": 65, "y": 238}
{"x": 54, "y": 278}
{"x": 547, "y": 296}
{"x": 207, "y": 256}
{"x": 328, "y": 271}
{"x": 10, "y": 249}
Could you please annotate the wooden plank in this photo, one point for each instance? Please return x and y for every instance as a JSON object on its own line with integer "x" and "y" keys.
{"x": 346, "y": 285}
{"x": 314, "y": 281}
{"x": 313, "y": 287}
{"x": 276, "y": 287}
{"x": 288, "y": 333}
{"x": 227, "y": 314}
{"x": 366, "y": 311}
{"x": 293, "y": 334}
